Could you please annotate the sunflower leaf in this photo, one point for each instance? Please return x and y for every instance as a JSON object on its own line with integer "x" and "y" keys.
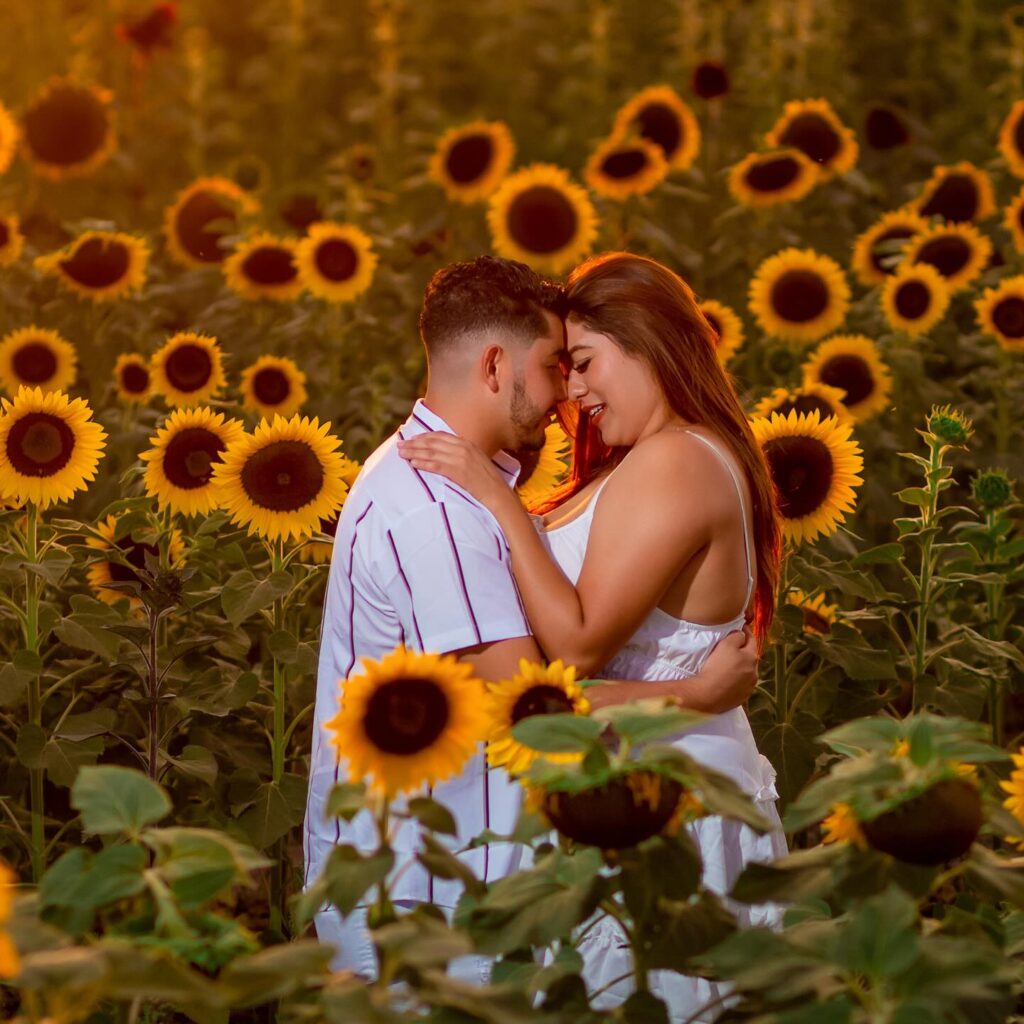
{"x": 560, "y": 733}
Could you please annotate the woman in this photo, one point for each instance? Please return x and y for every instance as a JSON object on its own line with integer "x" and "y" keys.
{"x": 664, "y": 540}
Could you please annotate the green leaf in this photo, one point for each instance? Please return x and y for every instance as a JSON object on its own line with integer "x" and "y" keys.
{"x": 433, "y": 815}
{"x": 275, "y": 809}
{"x": 244, "y": 595}
{"x": 561, "y": 733}
{"x": 63, "y": 758}
{"x": 641, "y": 721}
{"x": 442, "y": 863}
{"x": 883, "y": 554}
{"x": 915, "y": 496}
{"x": 346, "y": 800}
{"x": 92, "y": 723}
{"x": 275, "y": 972}
{"x": 30, "y": 745}
{"x": 89, "y": 633}
{"x": 879, "y": 939}
{"x": 53, "y": 567}
{"x": 115, "y": 800}
{"x": 683, "y": 929}
{"x": 197, "y": 762}
{"x": 793, "y": 756}
{"x": 349, "y": 875}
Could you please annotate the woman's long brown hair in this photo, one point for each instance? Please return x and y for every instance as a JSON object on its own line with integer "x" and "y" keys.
{"x": 651, "y": 314}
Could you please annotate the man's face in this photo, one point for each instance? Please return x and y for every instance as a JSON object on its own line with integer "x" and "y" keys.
{"x": 537, "y": 387}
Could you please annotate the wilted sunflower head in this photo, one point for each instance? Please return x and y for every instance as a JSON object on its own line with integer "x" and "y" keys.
{"x": 823, "y": 399}
{"x": 202, "y": 216}
{"x": 878, "y": 250}
{"x": 264, "y": 267}
{"x": 727, "y": 326}
{"x": 99, "y": 265}
{"x": 1000, "y": 313}
{"x": 915, "y": 298}
{"x": 132, "y": 377}
{"x": 105, "y": 573}
{"x": 620, "y": 168}
{"x": 959, "y": 252}
{"x": 956, "y": 193}
{"x": 949, "y": 426}
{"x": 12, "y": 241}
{"x": 813, "y": 127}
{"x": 336, "y": 261}
{"x": 469, "y": 162}
{"x": 992, "y": 489}
{"x": 36, "y": 357}
{"x": 273, "y": 385}
{"x": 851, "y": 363}
{"x": 659, "y": 115}
{"x": 188, "y": 369}
{"x": 780, "y": 176}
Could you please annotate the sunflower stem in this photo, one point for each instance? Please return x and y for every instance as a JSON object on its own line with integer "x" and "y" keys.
{"x": 781, "y": 652}
{"x": 924, "y": 584}
{"x": 153, "y": 759}
{"x": 35, "y": 704}
{"x": 280, "y": 739}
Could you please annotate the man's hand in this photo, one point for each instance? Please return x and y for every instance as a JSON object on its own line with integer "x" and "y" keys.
{"x": 729, "y": 675}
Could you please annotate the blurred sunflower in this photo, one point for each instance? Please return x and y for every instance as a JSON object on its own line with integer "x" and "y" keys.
{"x": 99, "y": 265}
{"x": 282, "y": 479}
{"x": 273, "y": 384}
{"x": 320, "y": 551}
{"x": 1013, "y": 220}
{"x": 533, "y": 690}
{"x": 813, "y": 127}
{"x": 875, "y": 252}
{"x": 766, "y": 179}
{"x": 915, "y": 298}
{"x": 408, "y": 720}
{"x": 1000, "y": 312}
{"x": 68, "y": 129}
{"x": 250, "y": 172}
{"x": 264, "y": 267}
{"x": 36, "y": 357}
{"x": 180, "y": 463}
{"x": 8, "y": 138}
{"x": 957, "y": 192}
{"x": 710, "y": 80}
{"x": 336, "y": 261}
{"x": 12, "y": 241}
{"x": 541, "y": 475}
{"x": 659, "y": 115}
{"x": 153, "y": 31}
{"x": 1011, "y": 139}
{"x": 132, "y": 377}
{"x": 814, "y": 465}
{"x": 187, "y": 369}
{"x": 818, "y": 616}
{"x": 841, "y": 826}
{"x": 1014, "y": 803}
{"x": 619, "y": 168}
{"x": 799, "y": 295}
{"x": 851, "y": 363}
{"x": 301, "y": 210}
{"x": 885, "y": 128}
{"x": 813, "y": 397}
{"x": 10, "y": 962}
{"x": 469, "y": 162}
{"x": 202, "y": 215}
{"x": 105, "y": 571}
{"x": 49, "y": 447}
{"x": 728, "y": 328}
{"x": 959, "y": 252}
{"x": 540, "y": 216}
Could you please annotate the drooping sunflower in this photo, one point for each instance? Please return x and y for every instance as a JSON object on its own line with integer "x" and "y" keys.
{"x": 885, "y": 128}
{"x": 876, "y": 251}
{"x": 915, "y": 298}
{"x": 780, "y": 176}
{"x": 9, "y": 134}
{"x": 957, "y": 193}
{"x": 541, "y": 217}
{"x": 544, "y": 470}
{"x": 1011, "y": 139}
{"x": 50, "y": 447}
{"x": 180, "y": 463}
{"x": 813, "y": 127}
{"x": 799, "y": 295}
{"x": 959, "y": 252}
{"x": 814, "y": 465}
{"x": 336, "y": 261}
{"x": 273, "y": 385}
{"x": 282, "y": 479}
{"x": 852, "y": 364}
{"x": 619, "y": 167}
{"x": 818, "y": 616}
{"x": 99, "y": 265}
{"x": 132, "y": 377}
{"x": 188, "y": 369}
{"x": 1000, "y": 312}
{"x": 320, "y": 551}
{"x": 264, "y": 267}
{"x": 728, "y": 328}
{"x": 813, "y": 397}
{"x": 1013, "y": 220}
{"x": 408, "y": 720}
{"x": 469, "y": 162}
{"x": 659, "y": 115}
{"x": 68, "y": 129}
{"x": 202, "y": 216}
{"x": 841, "y": 826}
{"x": 36, "y": 358}
{"x": 12, "y": 241}
{"x": 105, "y": 571}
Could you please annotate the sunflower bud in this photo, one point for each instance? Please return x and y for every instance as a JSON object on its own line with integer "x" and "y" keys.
{"x": 949, "y": 425}
{"x": 992, "y": 489}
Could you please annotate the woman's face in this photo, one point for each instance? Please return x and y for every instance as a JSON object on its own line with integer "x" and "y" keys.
{"x": 618, "y": 392}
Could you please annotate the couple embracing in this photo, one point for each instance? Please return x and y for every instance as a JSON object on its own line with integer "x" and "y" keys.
{"x": 653, "y": 568}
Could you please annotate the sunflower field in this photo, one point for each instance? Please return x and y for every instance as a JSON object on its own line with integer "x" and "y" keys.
{"x": 216, "y": 224}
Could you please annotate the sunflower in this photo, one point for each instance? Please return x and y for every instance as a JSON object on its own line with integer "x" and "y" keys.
{"x": 36, "y": 357}
{"x": 814, "y": 465}
{"x": 814, "y": 397}
{"x": 180, "y": 463}
{"x": 336, "y": 261}
{"x": 851, "y": 363}
{"x": 99, "y": 265}
{"x": 841, "y": 826}
{"x": 300, "y": 210}
{"x": 273, "y": 384}
{"x": 470, "y": 162}
{"x": 132, "y": 377}
{"x": 1000, "y": 312}
{"x": 10, "y": 962}
{"x": 915, "y": 298}
{"x": 320, "y": 551}
{"x": 959, "y": 252}
{"x": 68, "y": 129}
{"x": 885, "y": 128}
{"x": 1011, "y": 139}
{"x": 540, "y": 216}
{"x": 813, "y": 127}
{"x": 1013, "y": 220}
{"x": 202, "y": 215}
{"x": 408, "y": 720}
{"x": 957, "y": 192}
{"x": 659, "y": 115}
{"x": 818, "y": 616}
{"x": 12, "y": 241}
{"x": 799, "y": 295}
{"x": 264, "y": 267}
{"x": 710, "y": 80}
{"x": 765, "y": 179}
{"x": 106, "y": 571}
{"x": 1014, "y": 803}
{"x": 9, "y": 134}
{"x": 282, "y": 479}
{"x": 619, "y": 168}
{"x": 875, "y": 250}
{"x": 188, "y": 369}
{"x": 547, "y": 469}
{"x": 151, "y": 31}
{"x": 728, "y": 328}
{"x": 49, "y": 447}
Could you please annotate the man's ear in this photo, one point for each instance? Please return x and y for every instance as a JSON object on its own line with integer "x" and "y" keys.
{"x": 493, "y": 366}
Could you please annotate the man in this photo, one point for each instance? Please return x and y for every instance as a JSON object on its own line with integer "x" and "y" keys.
{"x": 418, "y": 562}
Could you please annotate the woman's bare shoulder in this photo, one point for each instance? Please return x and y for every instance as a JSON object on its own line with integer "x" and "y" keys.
{"x": 671, "y": 461}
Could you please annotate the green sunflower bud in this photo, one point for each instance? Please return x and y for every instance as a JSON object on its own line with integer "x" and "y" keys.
{"x": 992, "y": 489}
{"x": 949, "y": 425}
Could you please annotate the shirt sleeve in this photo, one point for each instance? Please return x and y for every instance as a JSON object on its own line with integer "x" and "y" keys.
{"x": 447, "y": 574}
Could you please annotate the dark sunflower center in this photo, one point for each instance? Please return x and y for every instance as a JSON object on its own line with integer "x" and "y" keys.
{"x": 851, "y": 374}
{"x": 66, "y": 128}
{"x": 710, "y": 80}
{"x": 405, "y": 716}
{"x": 300, "y": 211}
{"x": 34, "y": 363}
{"x": 624, "y": 163}
{"x": 269, "y": 265}
{"x": 540, "y": 700}
{"x": 912, "y": 299}
{"x": 884, "y": 129}
{"x": 188, "y": 367}
{"x": 330, "y": 526}
{"x": 97, "y": 263}
{"x": 5, "y": 235}
{"x": 134, "y": 378}
{"x": 948, "y": 254}
{"x": 799, "y": 296}
{"x": 270, "y": 386}
{"x": 956, "y": 199}
{"x": 802, "y": 470}
{"x": 805, "y": 403}
{"x": 772, "y": 174}
{"x": 136, "y": 553}
{"x": 40, "y": 444}
{"x": 881, "y": 252}
{"x": 815, "y": 622}
{"x": 283, "y": 476}
{"x": 1008, "y": 316}
{"x": 190, "y": 455}
{"x": 469, "y": 158}
{"x": 541, "y": 219}
{"x": 199, "y": 240}
{"x": 660, "y": 123}
{"x": 813, "y": 135}
{"x": 336, "y": 259}
{"x": 153, "y": 30}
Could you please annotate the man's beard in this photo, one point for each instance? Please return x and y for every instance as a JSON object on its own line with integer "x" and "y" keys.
{"x": 528, "y": 421}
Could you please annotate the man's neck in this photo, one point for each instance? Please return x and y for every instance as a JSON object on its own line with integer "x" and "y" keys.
{"x": 463, "y": 420}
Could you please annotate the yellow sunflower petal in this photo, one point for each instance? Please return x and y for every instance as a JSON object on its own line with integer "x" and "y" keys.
{"x": 659, "y": 115}
{"x": 12, "y": 241}
{"x": 873, "y": 256}
{"x": 813, "y": 127}
{"x": 1013, "y": 220}
{"x": 818, "y": 616}
{"x": 1011, "y": 139}
{"x": 99, "y": 265}
{"x": 841, "y": 826}
{"x": 727, "y": 325}
{"x": 957, "y": 193}
{"x": 104, "y": 571}
{"x": 550, "y": 469}
{"x": 779, "y": 176}
{"x": 959, "y": 252}
{"x": 188, "y": 369}
{"x": 36, "y": 357}
{"x": 1000, "y": 313}
{"x": 811, "y": 397}
{"x": 273, "y": 385}
{"x": 470, "y": 161}
{"x": 264, "y": 267}
{"x": 202, "y": 215}
{"x": 132, "y": 377}
{"x": 336, "y": 261}
{"x": 915, "y": 298}
{"x": 851, "y": 363}
{"x": 619, "y": 168}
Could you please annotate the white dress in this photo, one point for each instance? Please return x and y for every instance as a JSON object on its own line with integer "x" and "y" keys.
{"x": 665, "y": 647}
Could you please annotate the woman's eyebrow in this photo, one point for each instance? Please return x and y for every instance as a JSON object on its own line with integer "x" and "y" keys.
{"x": 576, "y": 348}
